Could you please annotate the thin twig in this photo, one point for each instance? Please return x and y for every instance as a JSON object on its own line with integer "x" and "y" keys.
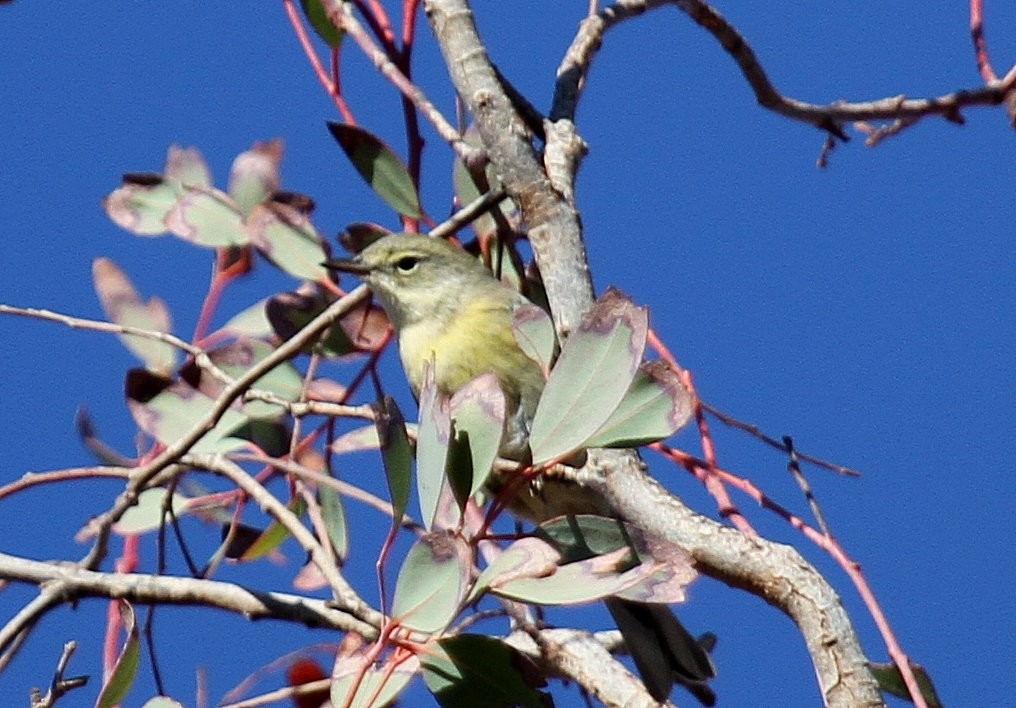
{"x": 340, "y": 14}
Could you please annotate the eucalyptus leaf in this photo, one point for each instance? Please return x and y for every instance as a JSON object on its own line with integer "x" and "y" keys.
{"x": 147, "y": 514}
{"x": 595, "y": 369}
{"x": 534, "y": 333}
{"x": 655, "y": 407}
{"x": 207, "y": 217}
{"x": 123, "y": 306}
{"x": 172, "y": 411}
{"x": 396, "y": 454}
{"x": 254, "y": 175}
{"x": 142, "y": 203}
{"x": 432, "y": 582}
{"x": 431, "y": 448}
{"x": 380, "y": 167}
{"x": 477, "y": 411}
{"x": 374, "y": 687}
{"x": 318, "y": 18}
{"x": 125, "y": 668}
{"x": 477, "y": 670}
{"x": 285, "y": 235}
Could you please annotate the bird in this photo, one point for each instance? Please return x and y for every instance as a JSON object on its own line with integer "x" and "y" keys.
{"x": 449, "y": 312}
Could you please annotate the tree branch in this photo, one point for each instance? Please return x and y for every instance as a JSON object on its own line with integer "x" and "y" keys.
{"x": 830, "y": 118}
{"x": 70, "y": 583}
{"x": 772, "y": 571}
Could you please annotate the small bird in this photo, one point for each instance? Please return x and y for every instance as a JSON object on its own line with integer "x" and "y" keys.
{"x": 446, "y": 307}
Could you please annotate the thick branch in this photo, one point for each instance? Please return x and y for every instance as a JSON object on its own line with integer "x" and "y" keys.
{"x": 775, "y": 572}
{"x": 554, "y": 228}
{"x": 772, "y": 571}
{"x": 70, "y": 583}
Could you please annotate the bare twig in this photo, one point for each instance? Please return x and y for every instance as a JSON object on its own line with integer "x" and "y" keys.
{"x": 341, "y": 15}
{"x": 70, "y": 583}
{"x": 172, "y": 453}
{"x": 830, "y": 118}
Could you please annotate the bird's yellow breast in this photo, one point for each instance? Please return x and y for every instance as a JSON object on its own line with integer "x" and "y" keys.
{"x": 474, "y": 339}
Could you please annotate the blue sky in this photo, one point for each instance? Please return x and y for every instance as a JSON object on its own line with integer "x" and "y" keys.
{"x": 866, "y": 309}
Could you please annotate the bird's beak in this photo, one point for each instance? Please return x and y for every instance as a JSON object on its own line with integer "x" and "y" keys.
{"x": 353, "y": 265}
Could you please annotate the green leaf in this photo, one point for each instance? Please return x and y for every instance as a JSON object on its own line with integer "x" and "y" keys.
{"x": 142, "y": 203}
{"x": 890, "y": 680}
{"x": 363, "y": 329}
{"x": 237, "y": 359}
{"x": 274, "y": 535}
{"x": 126, "y": 666}
{"x": 324, "y": 27}
{"x": 664, "y": 569}
{"x": 655, "y": 407}
{"x": 476, "y": 670}
{"x": 286, "y": 237}
{"x": 431, "y": 448}
{"x": 396, "y": 454}
{"x": 167, "y": 411}
{"x": 162, "y": 702}
{"x": 254, "y": 175}
{"x": 146, "y": 515}
{"x": 534, "y": 333}
{"x": 595, "y": 369}
{"x": 123, "y": 306}
{"x": 375, "y": 687}
{"x": 187, "y": 166}
{"x": 333, "y": 512}
{"x": 251, "y": 323}
{"x": 380, "y": 168}
{"x": 432, "y": 582}
{"x": 477, "y": 411}
{"x": 207, "y": 217}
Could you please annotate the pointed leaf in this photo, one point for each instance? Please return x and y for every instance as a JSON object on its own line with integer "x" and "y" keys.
{"x": 665, "y": 571}
{"x": 529, "y": 557}
{"x": 380, "y": 168}
{"x": 274, "y": 535}
{"x": 173, "y": 409}
{"x": 361, "y": 234}
{"x": 333, "y": 511}
{"x": 123, "y": 306}
{"x": 476, "y": 670}
{"x": 255, "y": 175}
{"x": 431, "y": 447}
{"x": 286, "y": 237}
{"x": 477, "y": 411}
{"x": 396, "y": 454}
{"x": 142, "y": 204}
{"x": 239, "y": 357}
{"x": 595, "y": 369}
{"x": 126, "y": 667}
{"x": 432, "y": 582}
{"x": 534, "y": 333}
{"x": 891, "y": 681}
{"x": 207, "y": 217}
{"x": 358, "y": 440}
{"x": 375, "y": 687}
{"x": 324, "y": 27}
{"x": 251, "y": 323}
{"x": 187, "y": 166}
{"x": 655, "y": 407}
{"x": 162, "y": 702}
{"x": 146, "y": 515}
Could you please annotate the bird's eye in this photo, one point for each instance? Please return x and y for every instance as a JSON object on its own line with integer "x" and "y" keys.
{"x": 407, "y": 264}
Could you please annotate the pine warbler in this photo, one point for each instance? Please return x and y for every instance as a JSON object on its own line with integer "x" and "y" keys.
{"x": 446, "y": 307}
